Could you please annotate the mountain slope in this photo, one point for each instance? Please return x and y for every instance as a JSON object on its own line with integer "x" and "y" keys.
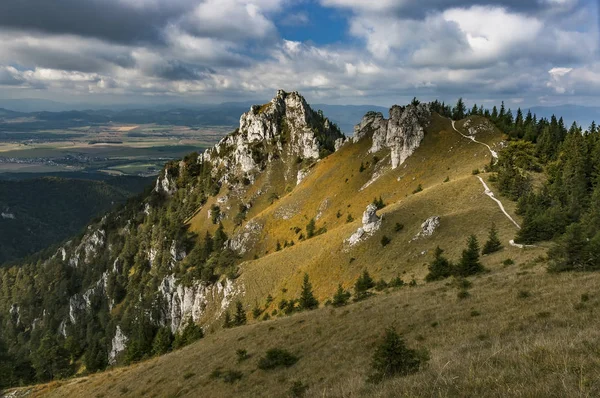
{"x": 219, "y": 228}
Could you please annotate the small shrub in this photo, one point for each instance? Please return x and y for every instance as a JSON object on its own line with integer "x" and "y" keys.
{"x": 418, "y": 189}
{"x": 276, "y": 358}
{"x": 338, "y": 214}
{"x": 362, "y": 167}
{"x": 412, "y": 283}
{"x": 241, "y": 354}
{"x": 385, "y": 241}
{"x": 381, "y": 285}
{"x": 375, "y": 160}
{"x": 396, "y": 282}
{"x": 585, "y": 297}
{"x": 398, "y": 227}
{"x": 523, "y": 294}
{"x": 298, "y": 389}
{"x": 447, "y": 179}
{"x": 362, "y": 286}
{"x": 231, "y": 376}
{"x": 544, "y": 314}
{"x": 475, "y": 172}
{"x": 379, "y": 204}
{"x": 349, "y": 219}
{"x": 463, "y": 294}
{"x": 463, "y": 283}
{"x": 188, "y": 375}
{"x": 392, "y": 358}
{"x": 475, "y": 313}
{"x": 508, "y": 261}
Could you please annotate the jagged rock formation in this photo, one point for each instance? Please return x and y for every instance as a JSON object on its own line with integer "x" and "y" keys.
{"x": 285, "y": 127}
{"x": 402, "y": 133}
{"x": 371, "y": 223}
{"x": 428, "y": 227}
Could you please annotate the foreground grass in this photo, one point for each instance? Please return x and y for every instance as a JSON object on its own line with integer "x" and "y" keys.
{"x": 521, "y": 333}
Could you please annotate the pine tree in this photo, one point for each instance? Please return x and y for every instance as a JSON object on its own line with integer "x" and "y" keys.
{"x": 393, "y": 358}
{"x": 307, "y": 299}
{"x": 362, "y": 286}
{"x": 469, "y": 263}
{"x": 240, "y": 315}
{"x": 459, "y": 110}
{"x": 163, "y": 341}
{"x": 493, "y": 243}
{"x": 190, "y": 333}
{"x": 440, "y": 268}
{"x": 310, "y": 228}
{"x": 341, "y": 297}
{"x": 227, "y": 323}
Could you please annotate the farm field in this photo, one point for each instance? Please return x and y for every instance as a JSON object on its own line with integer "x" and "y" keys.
{"x": 114, "y": 149}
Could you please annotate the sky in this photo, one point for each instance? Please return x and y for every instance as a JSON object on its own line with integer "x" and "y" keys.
{"x": 530, "y": 52}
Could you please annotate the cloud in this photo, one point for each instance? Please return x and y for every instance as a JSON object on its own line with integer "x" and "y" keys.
{"x": 213, "y": 49}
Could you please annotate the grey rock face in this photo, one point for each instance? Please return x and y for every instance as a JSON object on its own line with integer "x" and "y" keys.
{"x": 371, "y": 223}
{"x": 428, "y": 227}
{"x": 402, "y": 133}
{"x": 287, "y": 124}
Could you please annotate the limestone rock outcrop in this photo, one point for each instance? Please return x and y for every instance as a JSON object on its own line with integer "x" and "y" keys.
{"x": 428, "y": 227}
{"x": 402, "y": 133}
{"x": 371, "y": 223}
{"x": 285, "y": 126}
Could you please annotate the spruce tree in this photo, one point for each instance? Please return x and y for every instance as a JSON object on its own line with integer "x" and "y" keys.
{"x": 459, "y": 110}
{"x": 227, "y": 323}
{"x": 307, "y": 299}
{"x": 362, "y": 286}
{"x": 393, "y": 358}
{"x": 240, "y": 315}
{"x": 440, "y": 268}
{"x": 341, "y": 297}
{"x": 162, "y": 341}
{"x": 493, "y": 243}
{"x": 469, "y": 263}
{"x": 310, "y": 228}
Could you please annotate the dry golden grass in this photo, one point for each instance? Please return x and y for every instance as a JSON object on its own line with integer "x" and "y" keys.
{"x": 496, "y": 343}
{"x": 521, "y": 333}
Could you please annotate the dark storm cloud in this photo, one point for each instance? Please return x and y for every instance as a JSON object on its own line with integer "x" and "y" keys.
{"x": 110, "y": 20}
{"x": 175, "y": 70}
{"x": 419, "y": 9}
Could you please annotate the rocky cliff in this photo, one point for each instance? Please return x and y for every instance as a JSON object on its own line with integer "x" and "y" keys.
{"x": 402, "y": 133}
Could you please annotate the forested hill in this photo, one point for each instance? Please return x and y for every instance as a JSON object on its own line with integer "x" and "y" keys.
{"x": 37, "y": 213}
{"x": 240, "y": 229}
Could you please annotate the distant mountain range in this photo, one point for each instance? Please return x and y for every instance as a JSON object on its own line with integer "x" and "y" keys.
{"x": 50, "y": 114}
{"x": 345, "y": 116}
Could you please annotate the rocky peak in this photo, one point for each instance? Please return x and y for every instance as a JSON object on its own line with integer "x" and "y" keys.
{"x": 285, "y": 126}
{"x": 402, "y": 133}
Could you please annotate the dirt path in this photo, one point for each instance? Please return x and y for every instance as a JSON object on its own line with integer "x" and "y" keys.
{"x": 494, "y": 153}
{"x": 489, "y": 193}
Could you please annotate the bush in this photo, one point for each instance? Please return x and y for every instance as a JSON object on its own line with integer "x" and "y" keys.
{"x": 393, "y": 358}
{"x": 418, "y": 189}
{"x": 398, "y": 227}
{"x": 380, "y": 285}
{"x": 385, "y": 241}
{"x": 379, "y": 204}
{"x": 463, "y": 294}
{"x": 298, "y": 389}
{"x": 277, "y": 358}
{"x": 349, "y": 219}
{"x": 231, "y": 376}
{"x": 508, "y": 261}
{"x": 396, "y": 282}
{"x": 475, "y": 172}
{"x": 241, "y": 354}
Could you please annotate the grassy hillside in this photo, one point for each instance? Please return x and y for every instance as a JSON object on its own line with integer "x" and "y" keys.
{"x": 522, "y": 332}
{"x": 44, "y": 211}
{"x": 442, "y": 166}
